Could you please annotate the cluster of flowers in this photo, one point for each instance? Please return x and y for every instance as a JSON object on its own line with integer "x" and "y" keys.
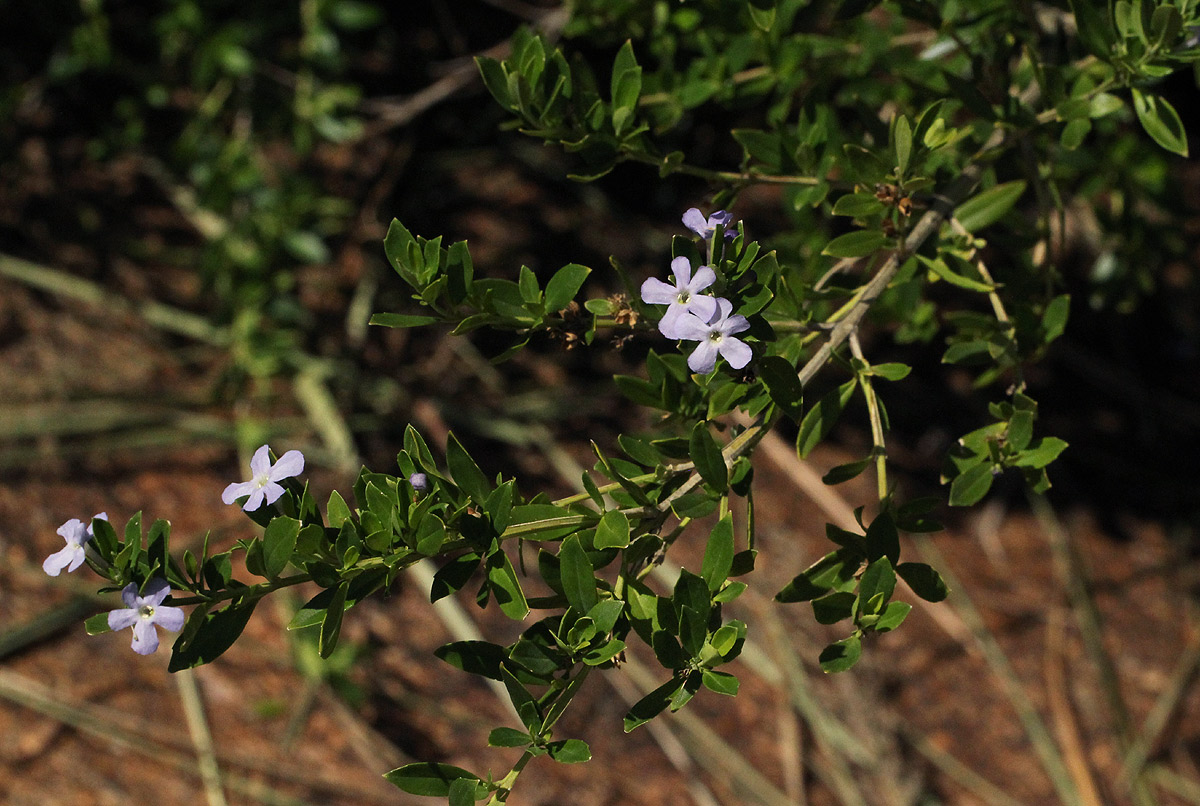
{"x": 144, "y": 609}
{"x": 693, "y": 316}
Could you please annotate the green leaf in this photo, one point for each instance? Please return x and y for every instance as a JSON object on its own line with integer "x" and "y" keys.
{"x": 578, "y": 575}
{"x": 879, "y": 577}
{"x": 856, "y": 244}
{"x": 938, "y": 267}
{"x": 336, "y": 511}
{"x": 989, "y": 206}
{"x": 1074, "y": 133}
{"x": 1041, "y": 453}
{"x": 216, "y": 634}
{"x": 506, "y": 587}
{"x": 763, "y": 15}
{"x": 924, "y": 581}
{"x": 612, "y": 531}
{"x": 1054, "y": 318}
{"x": 427, "y": 778}
{"x": 841, "y": 655}
{"x": 783, "y": 384}
{"x": 971, "y": 485}
{"x": 403, "y": 320}
{"x": 331, "y": 626}
{"x": 893, "y": 616}
{"x": 850, "y": 470}
{"x": 902, "y": 143}
{"x": 569, "y": 751}
{"x": 891, "y": 371}
{"x": 858, "y": 205}
{"x": 626, "y": 87}
{"x": 707, "y": 456}
{"x": 97, "y": 624}
{"x": 508, "y": 737}
{"x": 882, "y": 540}
{"x": 718, "y": 555}
{"x": 1161, "y": 121}
{"x": 564, "y": 285}
{"x": 465, "y": 472}
{"x": 474, "y": 657}
{"x": 652, "y": 704}
{"x": 495, "y": 79}
{"x": 834, "y": 607}
{"x": 279, "y": 543}
{"x": 720, "y": 682}
{"x": 820, "y": 419}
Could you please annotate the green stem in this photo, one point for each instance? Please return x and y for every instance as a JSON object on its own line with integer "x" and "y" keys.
{"x": 873, "y": 411}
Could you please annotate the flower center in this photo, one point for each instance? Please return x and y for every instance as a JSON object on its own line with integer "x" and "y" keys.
{"x": 683, "y": 297}
{"x": 261, "y": 480}
{"x": 715, "y": 336}
{"x": 146, "y": 611}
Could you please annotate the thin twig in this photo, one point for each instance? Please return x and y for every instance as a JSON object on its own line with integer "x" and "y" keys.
{"x": 202, "y": 740}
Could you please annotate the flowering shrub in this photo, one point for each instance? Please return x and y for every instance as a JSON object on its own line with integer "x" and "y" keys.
{"x": 904, "y": 163}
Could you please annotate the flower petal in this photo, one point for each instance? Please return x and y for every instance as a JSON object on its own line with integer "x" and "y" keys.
{"x": 129, "y": 595}
{"x": 704, "y": 277}
{"x": 703, "y": 358}
{"x": 236, "y": 490}
{"x": 74, "y": 532}
{"x": 255, "y": 501}
{"x": 669, "y": 324}
{"x": 157, "y": 589}
{"x": 735, "y": 351}
{"x": 290, "y": 464}
{"x": 720, "y": 218}
{"x": 260, "y": 462}
{"x": 693, "y": 219}
{"x": 272, "y": 491}
{"x": 703, "y": 306}
{"x": 681, "y": 267}
{"x": 692, "y": 328}
{"x": 656, "y": 292}
{"x": 145, "y": 637}
{"x": 725, "y": 308}
{"x": 56, "y": 562}
{"x": 735, "y": 324}
{"x": 169, "y": 618}
{"x": 120, "y": 619}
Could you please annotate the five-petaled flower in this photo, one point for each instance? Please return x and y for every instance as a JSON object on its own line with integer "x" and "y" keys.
{"x": 716, "y": 336}
{"x": 683, "y": 297}
{"x": 694, "y": 220}
{"x": 71, "y": 556}
{"x": 143, "y": 612}
{"x": 265, "y": 483}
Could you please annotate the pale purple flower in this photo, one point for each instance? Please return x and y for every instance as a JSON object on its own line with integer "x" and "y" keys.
{"x": 419, "y": 482}
{"x": 143, "y": 612}
{"x": 683, "y": 297}
{"x": 694, "y": 220}
{"x": 71, "y": 556}
{"x": 715, "y": 336}
{"x": 265, "y": 484}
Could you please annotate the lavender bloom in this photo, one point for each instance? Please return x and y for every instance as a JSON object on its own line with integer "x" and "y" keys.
{"x": 694, "y": 220}
{"x": 143, "y": 612}
{"x": 683, "y": 297}
{"x": 715, "y": 336}
{"x": 419, "y": 482}
{"x": 265, "y": 484}
{"x": 71, "y": 556}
